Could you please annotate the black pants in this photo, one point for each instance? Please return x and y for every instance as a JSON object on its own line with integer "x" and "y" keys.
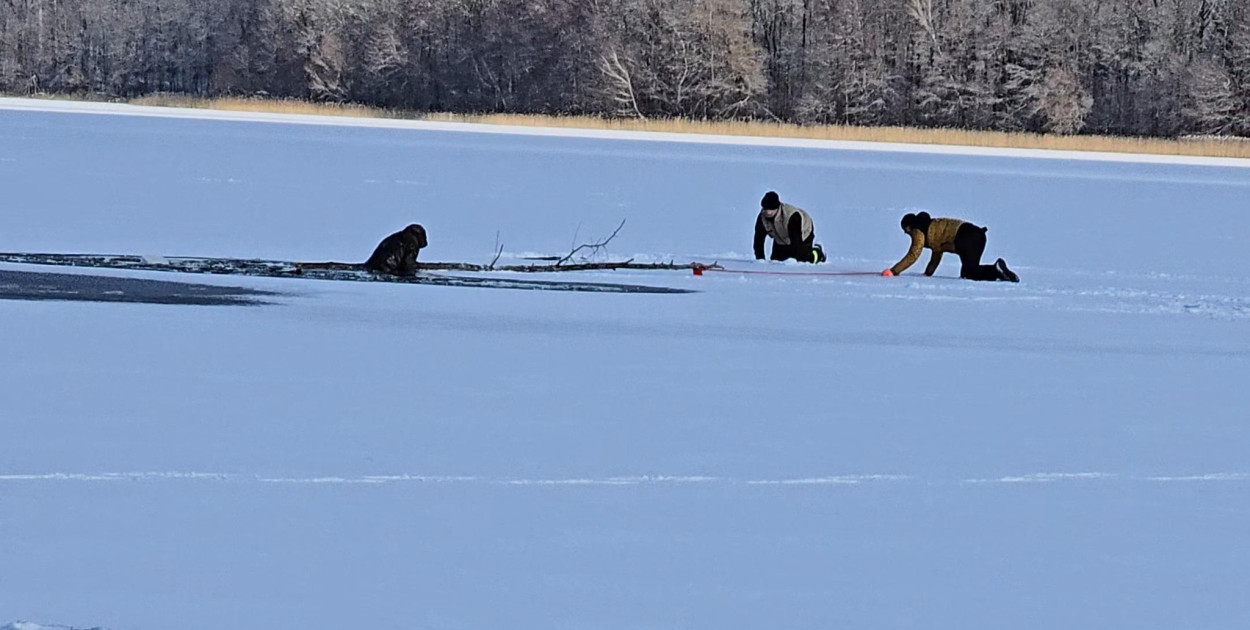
{"x": 801, "y": 252}
{"x": 970, "y": 245}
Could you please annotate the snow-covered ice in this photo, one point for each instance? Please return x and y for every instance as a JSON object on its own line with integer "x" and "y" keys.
{"x": 770, "y": 452}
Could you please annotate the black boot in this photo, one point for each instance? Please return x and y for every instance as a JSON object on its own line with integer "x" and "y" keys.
{"x": 820, "y": 253}
{"x": 1005, "y": 273}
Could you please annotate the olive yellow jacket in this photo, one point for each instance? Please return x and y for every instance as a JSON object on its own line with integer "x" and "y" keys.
{"x": 940, "y": 238}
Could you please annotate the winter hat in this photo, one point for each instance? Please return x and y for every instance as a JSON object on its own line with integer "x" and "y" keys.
{"x": 916, "y": 222}
{"x": 417, "y": 231}
{"x": 922, "y": 221}
{"x": 770, "y": 201}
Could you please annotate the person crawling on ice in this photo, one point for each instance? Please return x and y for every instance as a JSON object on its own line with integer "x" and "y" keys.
{"x": 397, "y": 253}
{"x": 791, "y": 229}
{"x": 949, "y": 235}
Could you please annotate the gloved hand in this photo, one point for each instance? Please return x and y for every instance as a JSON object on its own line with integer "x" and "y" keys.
{"x": 887, "y": 273}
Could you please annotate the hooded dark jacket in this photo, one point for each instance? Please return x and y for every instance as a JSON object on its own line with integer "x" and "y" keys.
{"x": 397, "y": 253}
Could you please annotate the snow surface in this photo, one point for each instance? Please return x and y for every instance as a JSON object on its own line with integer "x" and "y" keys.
{"x": 771, "y": 452}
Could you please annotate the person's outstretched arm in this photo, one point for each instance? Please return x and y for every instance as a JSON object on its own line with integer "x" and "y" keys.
{"x": 913, "y": 253}
{"x": 759, "y": 238}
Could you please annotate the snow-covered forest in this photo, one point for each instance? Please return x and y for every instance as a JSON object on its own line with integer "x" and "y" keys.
{"x": 1139, "y": 67}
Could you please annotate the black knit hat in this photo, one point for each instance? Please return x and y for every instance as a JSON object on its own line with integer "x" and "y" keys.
{"x": 770, "y": 201}
{"x": 919, "y": 221}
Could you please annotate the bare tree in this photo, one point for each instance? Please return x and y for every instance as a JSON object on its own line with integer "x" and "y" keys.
{"x": 1062, "y": 101}
{"x": 682, "y": 58}
{"x": 620, "y": 84}
{"x": 318, "y": 46}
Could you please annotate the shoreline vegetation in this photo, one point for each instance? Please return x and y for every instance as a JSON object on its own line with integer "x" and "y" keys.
{"x": 1205, "y": 146}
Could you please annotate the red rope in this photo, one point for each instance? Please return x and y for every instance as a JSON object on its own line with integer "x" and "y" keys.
{"x": 700, "y": 269}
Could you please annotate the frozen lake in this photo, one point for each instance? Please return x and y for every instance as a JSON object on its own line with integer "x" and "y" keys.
{"x": 770, "y": 452}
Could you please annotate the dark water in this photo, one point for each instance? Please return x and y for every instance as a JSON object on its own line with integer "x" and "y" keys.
{"x": 28, "y": 285}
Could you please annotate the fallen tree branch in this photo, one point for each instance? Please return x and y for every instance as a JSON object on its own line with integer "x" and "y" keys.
{"x": 498, "y": 252}
{"x": 473, "y": 267}
{"x": 333, "y": 266}
{"x": 558, "y": 263}
{"x": 590, "y": 266}
{"x": 593, "y": 247}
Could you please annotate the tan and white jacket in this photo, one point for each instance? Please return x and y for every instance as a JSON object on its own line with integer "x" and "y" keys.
{"x": 778, "y": 226}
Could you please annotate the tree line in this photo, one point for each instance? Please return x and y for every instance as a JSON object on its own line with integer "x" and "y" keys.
{"x": 1120, "y": 67}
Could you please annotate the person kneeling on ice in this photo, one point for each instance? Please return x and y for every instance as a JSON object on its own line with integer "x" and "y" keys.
{"x": 397, "y": 253}
{"x": 949, "y": 235}
{"x": 791, "y": 229}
